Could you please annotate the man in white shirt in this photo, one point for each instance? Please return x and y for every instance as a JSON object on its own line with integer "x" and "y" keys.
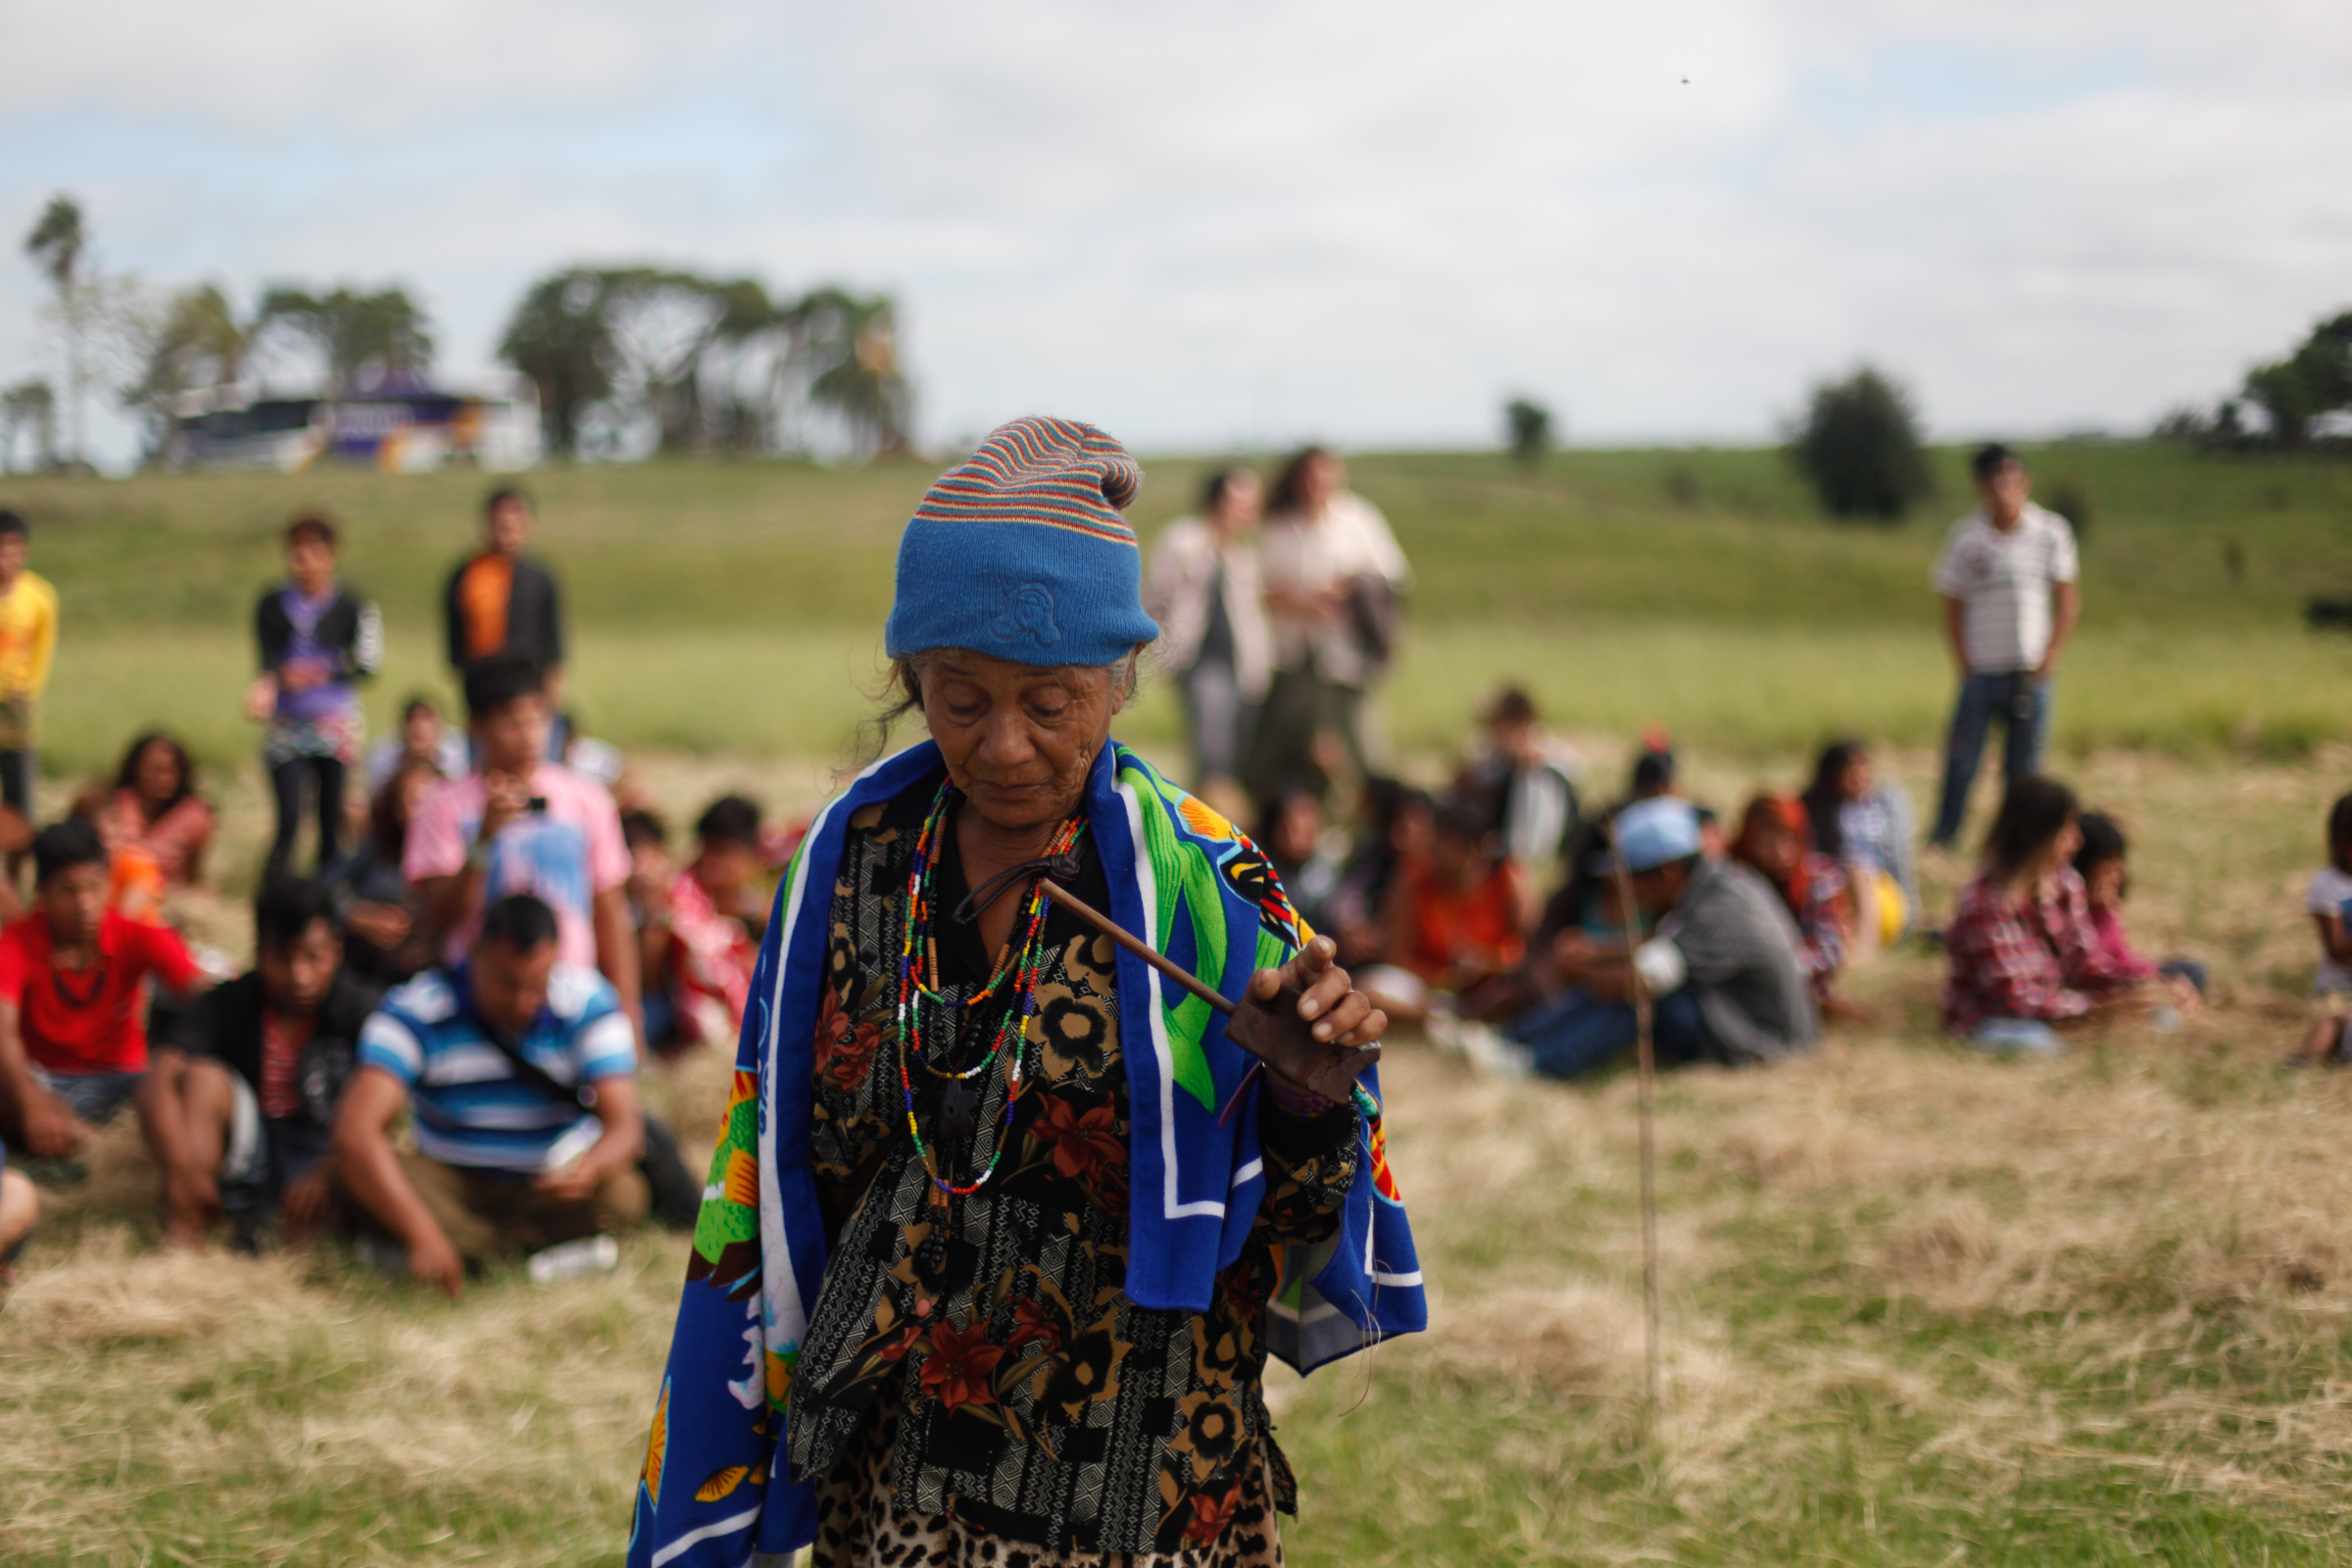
{"x": 2007, "y": 575}
{"x": 1333, "y": 574}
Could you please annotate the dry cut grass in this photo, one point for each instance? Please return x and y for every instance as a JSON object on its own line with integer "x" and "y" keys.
{"x": 1920, "y": 1308}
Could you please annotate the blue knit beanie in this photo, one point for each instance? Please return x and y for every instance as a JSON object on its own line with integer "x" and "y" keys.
{"x": 1021, "y": 552}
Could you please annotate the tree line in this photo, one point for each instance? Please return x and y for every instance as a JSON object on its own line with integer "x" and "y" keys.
{"x": 2304, "y": 399}
{"x": 624, "y": 360}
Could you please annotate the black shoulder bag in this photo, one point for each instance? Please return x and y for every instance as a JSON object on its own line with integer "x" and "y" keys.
{"x": 677, "y": 1196}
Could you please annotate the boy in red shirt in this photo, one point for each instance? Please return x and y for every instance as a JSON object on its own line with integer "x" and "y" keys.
{"x": 73, "y": 1021}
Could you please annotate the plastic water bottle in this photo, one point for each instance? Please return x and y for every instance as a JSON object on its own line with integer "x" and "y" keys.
{"x": 572, "y": 1261}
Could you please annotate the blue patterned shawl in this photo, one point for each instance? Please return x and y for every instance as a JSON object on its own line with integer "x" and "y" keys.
{"x": 716, "y": 1486}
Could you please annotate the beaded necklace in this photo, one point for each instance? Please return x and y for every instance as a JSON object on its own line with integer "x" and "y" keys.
{"x": 1019, "y": 964}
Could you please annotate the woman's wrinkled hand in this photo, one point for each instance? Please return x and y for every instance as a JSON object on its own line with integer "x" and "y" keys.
{"x": 1327, "y": 999}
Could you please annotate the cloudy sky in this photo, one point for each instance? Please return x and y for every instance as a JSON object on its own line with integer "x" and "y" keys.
{"x": 1218, "y": 222}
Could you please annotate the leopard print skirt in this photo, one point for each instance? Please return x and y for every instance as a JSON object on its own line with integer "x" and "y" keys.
{"x": 859, "y": 1526}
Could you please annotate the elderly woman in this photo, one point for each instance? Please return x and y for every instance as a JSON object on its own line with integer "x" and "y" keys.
{"x": 987, "y": 1262}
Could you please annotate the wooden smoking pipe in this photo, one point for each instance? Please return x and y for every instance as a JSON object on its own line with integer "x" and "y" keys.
{"x": 1272, "y": 1032}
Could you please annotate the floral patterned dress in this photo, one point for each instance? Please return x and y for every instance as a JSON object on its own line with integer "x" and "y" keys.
{"x": 975, "y": 1383}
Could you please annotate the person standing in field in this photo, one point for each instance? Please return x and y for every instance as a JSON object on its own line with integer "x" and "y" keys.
{"x": 317, "y": 640}
{"x": 1204, "y": 591}
{"x": 27, "y": 642}
{"x": 501, "y": 601}
{"x": 1333, "y": 574}
{"x": 2007, "y": 575}
{"x": 978, "y": 1277}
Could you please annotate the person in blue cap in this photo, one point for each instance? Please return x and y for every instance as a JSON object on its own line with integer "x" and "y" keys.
{"x": 987, "y": 1264}
{"x": 1721, "y": 961}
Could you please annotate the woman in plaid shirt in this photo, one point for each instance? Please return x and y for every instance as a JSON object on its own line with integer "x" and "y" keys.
{"x": 2026, "y": 959}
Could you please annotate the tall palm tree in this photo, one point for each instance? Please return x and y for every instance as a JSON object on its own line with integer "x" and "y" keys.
{"x": 198, "y": 345}
{"x": 852, "y": 345}
{"x": 56, "y": 245}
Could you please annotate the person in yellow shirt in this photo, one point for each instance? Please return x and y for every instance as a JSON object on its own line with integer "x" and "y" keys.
{"x": 28, "y": 640}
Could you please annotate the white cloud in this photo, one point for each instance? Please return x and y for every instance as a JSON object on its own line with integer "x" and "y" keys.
{"x": 1223, "y": 220}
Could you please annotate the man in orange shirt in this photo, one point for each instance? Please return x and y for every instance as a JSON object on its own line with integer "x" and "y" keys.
{"x": 501, "y": 601}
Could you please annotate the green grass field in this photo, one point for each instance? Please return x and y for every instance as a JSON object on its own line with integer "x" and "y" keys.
{"x": 739, "y": 606}
{"x": 1921, "y": 1307}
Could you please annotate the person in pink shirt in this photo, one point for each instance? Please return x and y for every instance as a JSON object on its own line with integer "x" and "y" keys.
{"x": 707, "y": 927}
{"x": 2104, "y": 864}
{"x": 520, "y": 823}
{"x": 154, "y": 824}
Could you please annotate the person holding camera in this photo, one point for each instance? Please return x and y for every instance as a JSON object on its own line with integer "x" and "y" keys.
{"x": 520, "y": 823}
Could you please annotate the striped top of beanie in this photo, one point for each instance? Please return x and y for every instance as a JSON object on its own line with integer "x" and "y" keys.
{"x": 1059, "y": 473}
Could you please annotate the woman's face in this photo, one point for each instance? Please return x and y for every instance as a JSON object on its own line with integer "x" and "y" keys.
{"x": 1766, "y": 845}
{"x": 1242, "y": 503}
{"x": 1298, "y": 828}
{"x": 2106, "y": 883}
{"x": 1323, "y": 479}
{"x": 158, "y": 772}
{"x": 1018, "y": 739}
{"x": 415, "y": 786}
{"x": 1858, "y": 779}
{"x": 2061, "y": 850}
{"x": 1413, "y": 830}
{"x": 1458, "y": 861}
{"x": 421, "y": 732}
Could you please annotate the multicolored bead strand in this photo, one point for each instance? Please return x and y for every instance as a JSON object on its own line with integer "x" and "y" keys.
{"x": 1020, "y": 962}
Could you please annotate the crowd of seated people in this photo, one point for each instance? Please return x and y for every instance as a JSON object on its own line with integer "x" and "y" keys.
{"x": 1513, "y": 925}
{"x": 477, "y": 914}
{"x": 477, "y": 952}
{"x": 503, "y": 944}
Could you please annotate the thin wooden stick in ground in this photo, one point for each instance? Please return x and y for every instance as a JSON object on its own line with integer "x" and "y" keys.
{"x": 1646, "y": 1063}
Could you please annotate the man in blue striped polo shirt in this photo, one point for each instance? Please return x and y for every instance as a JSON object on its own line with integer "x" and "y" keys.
{"x": 508, "y": 1159}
